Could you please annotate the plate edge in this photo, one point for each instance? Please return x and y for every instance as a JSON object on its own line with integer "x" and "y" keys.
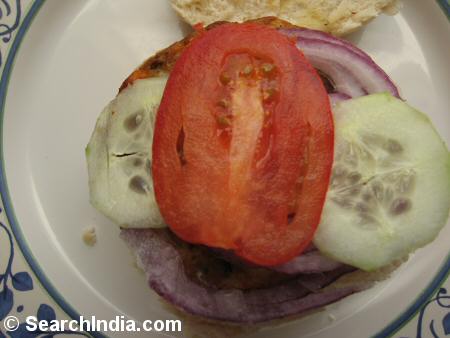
{"x": 33, "y": 10}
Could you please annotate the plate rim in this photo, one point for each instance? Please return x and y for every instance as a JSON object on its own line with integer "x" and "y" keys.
{"x": 30, "y": 13}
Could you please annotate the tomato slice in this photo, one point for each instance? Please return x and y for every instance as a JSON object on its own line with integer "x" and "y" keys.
{"x": 243, "y": 144}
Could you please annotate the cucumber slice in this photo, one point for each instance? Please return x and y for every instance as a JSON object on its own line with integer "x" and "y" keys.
{"x": 119, "y": 156}
{"x": 390, "y": 188}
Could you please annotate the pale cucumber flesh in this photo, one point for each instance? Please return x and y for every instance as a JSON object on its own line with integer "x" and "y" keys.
{"x": 119, "y": 156}
{"x": 390, "y": 187}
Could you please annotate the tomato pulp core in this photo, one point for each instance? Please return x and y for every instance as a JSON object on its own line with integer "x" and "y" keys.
{"x": 247, "y": 97}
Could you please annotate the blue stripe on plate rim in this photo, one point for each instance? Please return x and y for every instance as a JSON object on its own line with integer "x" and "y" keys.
{"x": 33, "y": 10}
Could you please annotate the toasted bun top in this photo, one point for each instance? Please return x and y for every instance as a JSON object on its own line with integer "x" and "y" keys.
{"x": 338, "y": 17}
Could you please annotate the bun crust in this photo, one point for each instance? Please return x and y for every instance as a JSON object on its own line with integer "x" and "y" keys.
{"x": 338, "y": 17}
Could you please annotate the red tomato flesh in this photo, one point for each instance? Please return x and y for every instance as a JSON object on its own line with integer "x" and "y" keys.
{"x": 243, "y": 144}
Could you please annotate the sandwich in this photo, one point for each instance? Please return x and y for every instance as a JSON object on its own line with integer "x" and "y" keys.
{"x": 260, "y": 171}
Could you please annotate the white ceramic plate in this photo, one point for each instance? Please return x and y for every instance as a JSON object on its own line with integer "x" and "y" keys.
{"x": 73, "y": 55}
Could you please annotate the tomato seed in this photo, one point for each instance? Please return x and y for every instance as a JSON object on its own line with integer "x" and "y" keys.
{"x": 223, "y": 103}
{"x": 225, "y": 78}
{"x": 269, "y": 94}
{"x": 248, "y": 70}
{"x": 267, "y": 68}
{"x": 223, "y": 121}
{"x": 180, "y": 147}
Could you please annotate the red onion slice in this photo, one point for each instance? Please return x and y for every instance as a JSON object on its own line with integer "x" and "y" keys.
{"x": 342, "y": 79}
{"x": 351, "y": 70}
{"x": 319, "y": 35}
{"x": 338, "y": 97}
{"x": 332, "y": 58}
{"x": 310, "y": 262}
{"x": 165, "y": 273}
